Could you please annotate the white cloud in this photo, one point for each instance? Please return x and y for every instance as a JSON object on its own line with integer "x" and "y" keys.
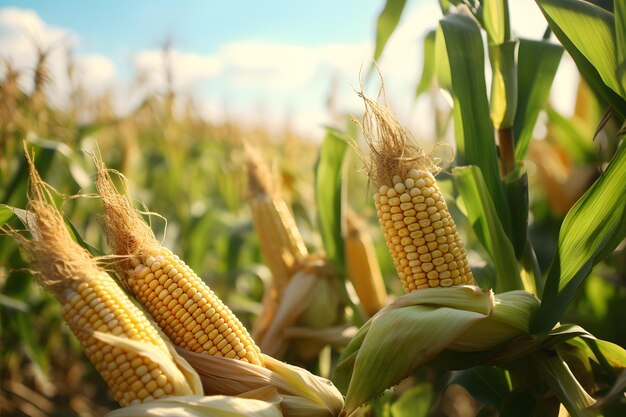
{"x": 289, "y": 82}
{"x": 23, "y": 33}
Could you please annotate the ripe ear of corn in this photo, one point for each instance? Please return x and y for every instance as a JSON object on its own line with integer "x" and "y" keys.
{"x": 281, "y": 244}
{"x": 95, "y": 307}
{"x": 183, "y": 306}
{"x": 420, "y": 233}
{"x": 362, "y": 265}
{"x": 280, "y": 241}
{"x": 418, "y": 228}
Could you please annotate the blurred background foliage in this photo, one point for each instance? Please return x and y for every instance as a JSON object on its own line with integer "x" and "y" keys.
{"x": 192, "y": 172}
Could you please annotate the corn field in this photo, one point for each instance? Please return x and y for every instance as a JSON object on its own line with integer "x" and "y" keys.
{"x": 161, "y": 264}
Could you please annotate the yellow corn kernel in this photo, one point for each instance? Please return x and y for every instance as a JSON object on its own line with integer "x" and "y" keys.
{"x": 93, "y": 302}
{"x": 180, "y": 302}
{"x": 280, "y": 241}
{"x": 431, "y": 253}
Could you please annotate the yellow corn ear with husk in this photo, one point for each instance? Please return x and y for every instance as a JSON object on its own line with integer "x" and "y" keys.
{"x": 281, "y": 244}
{"x": 413, "y": 329}
{"x": 362, "y": 265}
{"x": 418, "y": 229}
{"x": 128, "y": 351}
{"x": 183, "y": 306}
{"x": 280, "y": 241}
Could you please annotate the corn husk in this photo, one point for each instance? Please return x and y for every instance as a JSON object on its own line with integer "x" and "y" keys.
{"x": 62, "y": 264}
{"x": 198, "y": 406}
{"x": 414, "y": 328}
{"x": 301, "y": 393}
{"x": 309, "y": 300}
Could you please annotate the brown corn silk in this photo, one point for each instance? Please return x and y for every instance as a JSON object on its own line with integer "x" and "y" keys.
{"x": 93, "y": 303}
{"x": 418, "y": 229}
{"x": 180, "y": 302}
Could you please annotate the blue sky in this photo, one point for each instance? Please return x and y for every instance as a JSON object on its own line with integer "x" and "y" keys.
{"x": 272, "y": 62}
{"x": 120, "y": 28}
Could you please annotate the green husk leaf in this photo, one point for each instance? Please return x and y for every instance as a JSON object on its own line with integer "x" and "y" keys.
{"x": 393, "y": 355}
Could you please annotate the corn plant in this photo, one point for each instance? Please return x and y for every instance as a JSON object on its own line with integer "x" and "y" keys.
{"x": 507, "y": 346}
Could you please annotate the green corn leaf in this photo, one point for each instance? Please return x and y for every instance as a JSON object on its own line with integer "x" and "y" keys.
{"x": 78, "y": 238}
{"x": 486, "y": 223}
{"x": 387, "y": 22}
{"x": 569, "y": 136}
{"x": 487, "y": 384}
{"x": 473, "y": 129}
{"x": 516, "y": 189}
{"x": 588, "y": 33}
{"x": 495, "y": 20}
{"x": 592, "y": 229}
{"x": 442, "y": 64}
{"x": 503, "y": 103}
{"x": 416, "y": 401}
{"x": 428, "y": 66}
{"x": 445, "y": 6}
{"x": 328, "y": 193}
{"x": 620, "y": 38}
{"x": 537, "y": 65}
{"x": 523, "y": 404}
{"x": 563, "y": 383}
{"x": 5, "y": 214}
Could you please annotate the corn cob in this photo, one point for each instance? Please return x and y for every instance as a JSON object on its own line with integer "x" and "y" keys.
{"x": 93, "y": 304}
{"x": 185, "y": 308}
{"x": 281, "y": 244}
{"x": 362, "y": 265}
{"x": 418, "y": 229}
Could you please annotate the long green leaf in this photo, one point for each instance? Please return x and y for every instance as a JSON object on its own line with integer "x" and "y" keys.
{"x": 516, "y": 189}
{"x": 487, "y": 384}
{"x": 5, "y": 214}
{"x": 537, "y": 65}
{"x": 588, "y": 33}
{"x": 414, "y": 402}
{"x": 620, "y": 39}
{"x": 591, "y": 231}
{"x": 562, "y": 382}
{"x": 485, "y": 221}
{"x": 473, "y": 129}
{"x": 495, "y": 20}
{"x": 428, "y": 64}
{"x": 387, "y": 22}
{"x": 569, "y": 136}
{"x": 328, "y": 193}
